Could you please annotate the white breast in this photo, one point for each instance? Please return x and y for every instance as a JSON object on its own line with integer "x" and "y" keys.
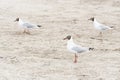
{"x": 97, "y": 25}
{"x": 70, "y": 46}
{"x": 20, "y": 23}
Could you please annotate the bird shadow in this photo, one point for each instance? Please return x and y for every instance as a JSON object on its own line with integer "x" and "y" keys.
{"x": 21, "y": 33}
{"x": 98, "y": 39}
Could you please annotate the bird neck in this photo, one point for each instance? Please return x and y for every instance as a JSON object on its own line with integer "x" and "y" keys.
{"x": 20, "y": 21}
{"x": 95, "y": 22}
{"x": 70, "y": 41}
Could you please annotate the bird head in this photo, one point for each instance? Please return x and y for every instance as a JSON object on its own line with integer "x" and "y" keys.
{"x": 67, "y": 37}
{"x": 17, "y": 19}
{"x": 91, "y": 19}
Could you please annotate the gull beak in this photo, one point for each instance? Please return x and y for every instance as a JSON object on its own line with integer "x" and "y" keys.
{"x": 64, "y": 38}
{"x": 89, "y": 19}
{"x": 15, "y": 20}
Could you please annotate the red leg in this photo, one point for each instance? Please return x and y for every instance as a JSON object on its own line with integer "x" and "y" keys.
{"x": 76, "y": 57}
{"x": 101, "y": 33}
{"x": 24, "y": 31}
{"x": 28, "y": 32}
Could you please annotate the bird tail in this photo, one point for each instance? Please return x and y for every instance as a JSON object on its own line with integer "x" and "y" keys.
{"x": 91, "y": 49}
{"x": 111, "y": 27}
{"x": 39, "y": 26}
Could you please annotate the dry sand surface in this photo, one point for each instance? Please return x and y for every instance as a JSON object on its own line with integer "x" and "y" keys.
{"x": 43, "y": 54}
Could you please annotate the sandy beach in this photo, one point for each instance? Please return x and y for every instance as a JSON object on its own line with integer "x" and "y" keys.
{"x": 43, "y": 54}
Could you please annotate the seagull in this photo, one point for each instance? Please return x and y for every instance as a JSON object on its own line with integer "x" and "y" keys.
{"x": 99, "y": 26}
{"x": 74, "y": 48}
{"x": 26, "y": 25}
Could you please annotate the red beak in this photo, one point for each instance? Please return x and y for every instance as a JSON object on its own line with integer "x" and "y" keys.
{"x": 89, "y": 19}
{"x": 64, "y": 38}
{"x": 14, "y": 20}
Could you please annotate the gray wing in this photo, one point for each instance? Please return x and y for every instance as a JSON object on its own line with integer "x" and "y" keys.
{"x": 79, "y": 49}
{"x": 103, "y": 27}
{"x": 28, "y": 25}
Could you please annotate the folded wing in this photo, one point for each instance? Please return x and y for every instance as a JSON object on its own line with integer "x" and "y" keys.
{"x": 79, "y": 49}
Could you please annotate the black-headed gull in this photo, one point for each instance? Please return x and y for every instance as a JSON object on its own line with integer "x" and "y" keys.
{"x": 99, "y": 26}
{"x": 26, "y": 25}
{"x": 74, "y": 48}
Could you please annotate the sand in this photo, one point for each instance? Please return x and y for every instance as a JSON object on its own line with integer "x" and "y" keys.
{"x": 43, "y": 54}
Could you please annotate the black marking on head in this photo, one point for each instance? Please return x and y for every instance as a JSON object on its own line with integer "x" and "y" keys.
{"x": 17, "y": 19}
{"x": 39, "y": 26}
{"x": 68, "y": 37}
{"x": 91, "y": 49}
{"x": 92, "y": 19}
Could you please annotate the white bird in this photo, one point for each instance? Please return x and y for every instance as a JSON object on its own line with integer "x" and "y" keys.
{"x": 74, "y": 48}
{"x": 99, "y": 26}
{"x": 26, "y": 25}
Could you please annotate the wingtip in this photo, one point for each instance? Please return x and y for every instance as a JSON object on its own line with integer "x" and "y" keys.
{"x": 111, "y": 26}
{"x": 39, "y": 26}
{"x": 91, "y": 49}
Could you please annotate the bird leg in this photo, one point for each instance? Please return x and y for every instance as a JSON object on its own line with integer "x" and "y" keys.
{"x": 28, "y": 32}
{"x": 101, "y": 35}
{"x": 76, "y": 57}
{"x": 111, "y": 31}
{"x": 24, "y": 31}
